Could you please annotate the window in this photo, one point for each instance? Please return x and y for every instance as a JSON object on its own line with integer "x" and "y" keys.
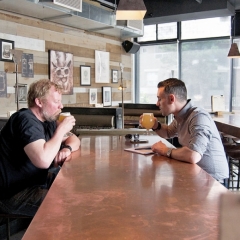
{"x": 205, "y": 71}
{"x": 167, "y": 31}
{"x": 236, "y": 82}
{"x": 156, "y": 63}
{"x": 206, "y": 28}
{"x": 149, "y": 33}
{"x": 203, "y": 63}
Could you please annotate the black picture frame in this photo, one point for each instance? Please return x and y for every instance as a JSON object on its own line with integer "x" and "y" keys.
{"x": 114, "y": 76}
{"x": 22, "y": 93}
{"x": 85, "y": 75}
{"x": 107, "y": 96}
{"x": 5, "y": 54}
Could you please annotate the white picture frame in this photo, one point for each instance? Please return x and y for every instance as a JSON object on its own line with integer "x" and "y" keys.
{"x": 114, "y": 76}
{"x": 85, "y": 75}
{"x": 93, "y": 96}
{"x": 101, "y": 67}
{"x": 107, "y": 96}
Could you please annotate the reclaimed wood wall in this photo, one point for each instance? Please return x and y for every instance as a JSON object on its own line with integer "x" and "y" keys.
{"x": 38, "y": 37}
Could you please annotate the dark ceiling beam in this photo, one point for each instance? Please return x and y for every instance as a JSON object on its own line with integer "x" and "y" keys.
{"x": 163, "y": 11}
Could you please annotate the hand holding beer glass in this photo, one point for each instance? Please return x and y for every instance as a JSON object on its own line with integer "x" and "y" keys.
{"x": 62, "y": 116}
{"x": 147, "y": 121}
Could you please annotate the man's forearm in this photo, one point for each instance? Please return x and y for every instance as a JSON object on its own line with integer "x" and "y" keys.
{"x": 186, "y": 155}
{"x": 163, "y": 131}
{"x": 73, "y": 141}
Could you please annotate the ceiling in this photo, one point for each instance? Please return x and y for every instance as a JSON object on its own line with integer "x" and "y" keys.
{"x": 99, "y": 15}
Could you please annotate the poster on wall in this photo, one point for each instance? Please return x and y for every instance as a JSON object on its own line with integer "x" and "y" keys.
{"x": 61, "y": 70}
{"x": 3, "y": 84}
{"x": 27, "y": 65}
{"x": 101, "y": 67}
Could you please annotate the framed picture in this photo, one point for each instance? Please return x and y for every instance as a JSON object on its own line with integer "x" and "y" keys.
{"x": 107, "y": 96}
{"x": 101, "y": 67}
{"x": 93, "y": 96}
{"x": 3, "y": 84}
{"x": 85, "y": 75}
{"x": 114, "y": 76}
{"x": 61, "y": 70}
{"x": 22, "y": 93}
{"x": 5, "y": 54}
{"x": 27, "y": 65}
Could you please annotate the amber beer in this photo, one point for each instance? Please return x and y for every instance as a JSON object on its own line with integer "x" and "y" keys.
{"x": 147, "y": 120}
{"x": 63, "y": 115}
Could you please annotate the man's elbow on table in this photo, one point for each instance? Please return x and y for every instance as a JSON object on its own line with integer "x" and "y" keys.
{"x": 189, "y": 155}
{"x": 194, "y": 157}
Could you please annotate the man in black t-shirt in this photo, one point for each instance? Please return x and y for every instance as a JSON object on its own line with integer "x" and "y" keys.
{"x": 31, "y": 142}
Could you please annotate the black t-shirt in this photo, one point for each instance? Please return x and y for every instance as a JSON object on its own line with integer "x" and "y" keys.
{"x": 16, "y": 170}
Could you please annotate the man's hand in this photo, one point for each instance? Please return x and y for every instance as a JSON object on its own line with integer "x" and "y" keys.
{"x": 62, "y": 156}
{"x": 67, "y": 124}
{"x": 160, "y": 148}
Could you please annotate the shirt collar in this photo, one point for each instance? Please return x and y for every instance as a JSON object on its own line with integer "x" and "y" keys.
{"x": 181, "y": 115}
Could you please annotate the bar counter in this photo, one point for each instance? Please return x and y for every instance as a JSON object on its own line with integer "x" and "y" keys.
{"x": 106, "y": 193}
{"x": 228, "y": 123}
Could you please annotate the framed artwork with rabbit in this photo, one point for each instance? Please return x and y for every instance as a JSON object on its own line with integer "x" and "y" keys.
{"x": 61, "y": 70}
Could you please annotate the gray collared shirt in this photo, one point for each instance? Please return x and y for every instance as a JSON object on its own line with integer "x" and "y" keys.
{"x": 196, "y": 130}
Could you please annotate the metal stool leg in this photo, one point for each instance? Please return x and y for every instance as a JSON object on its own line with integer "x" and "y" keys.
{"x": 8, "y": 228}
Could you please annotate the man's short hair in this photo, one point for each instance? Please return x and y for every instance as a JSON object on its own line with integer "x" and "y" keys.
{"x": 39, "y": 89}
{"x": 174, "y": 86}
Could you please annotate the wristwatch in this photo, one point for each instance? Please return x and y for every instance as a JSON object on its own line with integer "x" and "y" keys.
{"x": 158, "y": 127}
{"x": 169, "y": 152}
{"x": 66, "y": 146}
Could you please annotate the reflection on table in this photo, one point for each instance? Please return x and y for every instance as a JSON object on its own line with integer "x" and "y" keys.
{"x": 105, "y": 192}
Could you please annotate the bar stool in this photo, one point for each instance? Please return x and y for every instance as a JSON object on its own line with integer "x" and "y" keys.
{"x": 234, "y": 158}
{"x": 231, "y": 146}
{"x": 9, "y": 216}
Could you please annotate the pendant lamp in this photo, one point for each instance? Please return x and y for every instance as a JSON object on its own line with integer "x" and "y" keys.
{"x": 234, "y": 52}
{"x": 131, "y": 10}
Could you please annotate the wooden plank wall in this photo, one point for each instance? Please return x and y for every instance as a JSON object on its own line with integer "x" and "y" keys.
{"x": 37, "y": 37}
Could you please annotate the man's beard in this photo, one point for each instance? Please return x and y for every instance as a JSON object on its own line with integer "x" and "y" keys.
{"x": 49, "y": 118}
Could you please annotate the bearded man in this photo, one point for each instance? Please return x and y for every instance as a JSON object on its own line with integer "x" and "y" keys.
{"x": 31, "y": 143}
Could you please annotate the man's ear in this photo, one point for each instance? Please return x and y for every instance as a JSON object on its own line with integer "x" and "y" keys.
{"x": 38, "y": 102}
{"x": 171, "y": 98}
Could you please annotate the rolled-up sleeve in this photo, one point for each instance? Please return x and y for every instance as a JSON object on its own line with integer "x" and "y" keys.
{"x": 200, "y": 133}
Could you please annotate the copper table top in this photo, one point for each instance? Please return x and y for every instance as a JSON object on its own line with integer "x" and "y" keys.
{"x": 105, "y": 192}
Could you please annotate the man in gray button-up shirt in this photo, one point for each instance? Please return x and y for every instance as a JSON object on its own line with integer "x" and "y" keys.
{"x": 195, "y": 129}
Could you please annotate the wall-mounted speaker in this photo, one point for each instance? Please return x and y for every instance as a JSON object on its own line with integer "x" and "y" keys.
{"x": 130, "y": 47}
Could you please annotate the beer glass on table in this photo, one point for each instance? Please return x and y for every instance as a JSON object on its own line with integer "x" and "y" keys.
{"x": 61, "y": 118}
{"x": 147, "y": 121}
